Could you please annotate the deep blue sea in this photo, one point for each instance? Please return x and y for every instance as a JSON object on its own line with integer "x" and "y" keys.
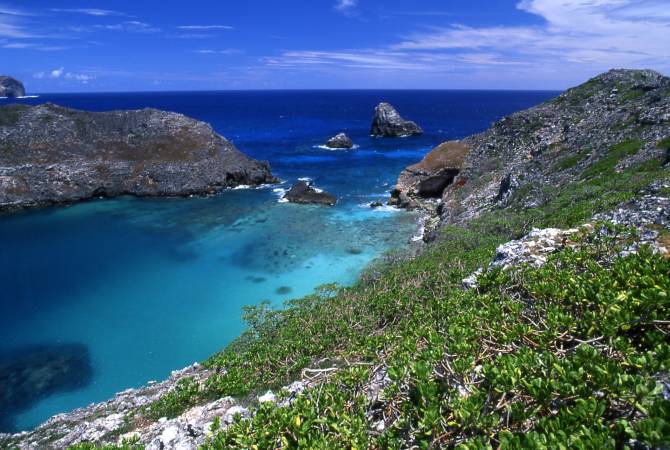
{"x": 136, "y": 288}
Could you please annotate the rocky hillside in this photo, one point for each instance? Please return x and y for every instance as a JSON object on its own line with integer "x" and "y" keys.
{"x": 609, "y": 123}
{"x": 538, "y": 316}
{"x": 50, "y": 154}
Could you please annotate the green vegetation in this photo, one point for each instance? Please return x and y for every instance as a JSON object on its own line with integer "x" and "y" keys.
{"x": 565, "y": 356}
{"x": 10, "y": 114}
{"x": 558, "y": 357}
{"x": 126, "y": 444}
{"x": 608, "y": 162}
{"x": 571, "y": 161}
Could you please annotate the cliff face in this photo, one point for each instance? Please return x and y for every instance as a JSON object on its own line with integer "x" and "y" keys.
{"x": 50, "y": 154}
{"x": 608, "y": 123}
{"x": 11, "y": 87}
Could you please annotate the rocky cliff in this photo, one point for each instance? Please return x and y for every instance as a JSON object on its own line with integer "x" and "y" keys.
{"x": 610, "y": 122}
{"x": 50, "y": 154}
{"x": 11, "y": 87}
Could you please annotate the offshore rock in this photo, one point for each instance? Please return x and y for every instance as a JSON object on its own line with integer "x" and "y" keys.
{"x": 388, "y": 123}
{"x": 302, "y": 192}
{"x": 50, "y": 154}
{"x": 11, "y": 87}
{"x": 341, "y": 140}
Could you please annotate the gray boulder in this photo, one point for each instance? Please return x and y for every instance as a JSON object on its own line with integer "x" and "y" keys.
{"x": 389, "y": 123}
{"x": 11, "y": 87}
{"x": 341, "y": 140}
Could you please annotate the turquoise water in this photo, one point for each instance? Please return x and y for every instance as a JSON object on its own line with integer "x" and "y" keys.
{"x": 146, "y": 286}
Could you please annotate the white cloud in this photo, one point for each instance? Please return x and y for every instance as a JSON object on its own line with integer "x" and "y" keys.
{"x": 346, "y": 6}
{"x": 32, "y": 46}
{"x": 227, "y": 51}
{"x": 205, "y": 27}
{"x": 90, "y": 11}
{"x": 597, "y": 34}
{"x": 130, "y": 26}
{"x": 60, "y": 73}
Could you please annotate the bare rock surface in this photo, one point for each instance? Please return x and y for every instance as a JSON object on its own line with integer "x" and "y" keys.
{"x": 11, "y": 87}
{"x": 50, "y": 154}
{"x": 303, "y": 192}
{"x": 389, "y": 123}
{"x": 340, "y": 141}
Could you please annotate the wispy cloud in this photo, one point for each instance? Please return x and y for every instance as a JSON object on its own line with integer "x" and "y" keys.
{"x": 130, "y": 26}
{"x": 346, "y": 6}
{"x": 11, "y": 23}
{"x": 595, "y": 33}
{"x": 225, "y": 51}
{"x": 33, "y": 46}
{"x": 205, "y": 27}
{"x": 89, "y": 11}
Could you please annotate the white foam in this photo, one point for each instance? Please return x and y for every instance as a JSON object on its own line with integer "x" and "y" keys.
{"x": 422, "y": 230}
{"x": 29, "y": 96}
{"x": 242, "y": 186}
{"x": 282, "y": 200}
{"x": 383, "y": 208}
{"x": 317, "y": 190}
{"x": 325, "y": 147}
{"x": 305, "y": 179}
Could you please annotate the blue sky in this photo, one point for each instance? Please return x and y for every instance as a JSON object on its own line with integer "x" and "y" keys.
{"x": 124, "y": 45}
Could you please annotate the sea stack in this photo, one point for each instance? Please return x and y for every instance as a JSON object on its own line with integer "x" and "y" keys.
{"x": 341, "y": 140}
{"x": 389, "y": 123}
{"x": 11, "y": 87}
{"x": 303, "y": 193}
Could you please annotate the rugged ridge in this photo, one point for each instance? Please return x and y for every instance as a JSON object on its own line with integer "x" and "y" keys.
{"x": 524, "y": 156}
{"x": 11, "y": 87}
{"x": 50, "y": 154}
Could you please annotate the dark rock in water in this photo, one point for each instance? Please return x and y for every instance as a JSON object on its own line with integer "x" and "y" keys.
{"x": 302, "y": 192}
{"x": 388, "y": 123}
{"x": 283, "y": 290}
{"x": 340, "y": 141}
{"x": 11, "y": 87}
{"x": 376, "y": 204}
{"x": 31, "y": 374}
{"x": 429, "y": 177}
{"x": 50, "y": 154}
{"x": 354, "y": 251}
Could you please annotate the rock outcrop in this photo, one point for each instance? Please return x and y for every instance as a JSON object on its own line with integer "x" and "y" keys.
{"x": 619, "y": 118}
{"x": 428, "y": 178}
{"x": 11, "y": 87}
{"x": 388, "y": 123}
{"x": 50, "y": 154}
{"x": 303, "y": 192}
{"x": 341, "y": 140}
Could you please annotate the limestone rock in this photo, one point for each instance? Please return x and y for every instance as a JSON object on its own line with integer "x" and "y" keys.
{"x": 303, "y": 192}
{"x": 11, "y": 87}
{"x": 52, "y": 154}
{"x": 340, "y": 140}
{"x": 428, "y": 179}
{"x": 389, "y": 123}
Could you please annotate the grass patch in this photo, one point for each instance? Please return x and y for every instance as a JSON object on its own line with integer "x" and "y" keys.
{"x": 571, "y": 161}
{"x": 608, "y": 162}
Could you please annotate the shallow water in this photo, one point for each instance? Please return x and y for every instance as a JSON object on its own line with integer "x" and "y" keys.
{"x": 149, "y": 286}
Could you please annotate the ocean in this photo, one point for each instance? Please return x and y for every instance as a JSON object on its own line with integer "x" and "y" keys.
{"x": 106, "y": 295}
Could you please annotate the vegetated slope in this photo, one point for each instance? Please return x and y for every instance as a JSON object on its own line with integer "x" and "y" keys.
{"x": 571, "y": 351}
{"x": 50, "y": 154}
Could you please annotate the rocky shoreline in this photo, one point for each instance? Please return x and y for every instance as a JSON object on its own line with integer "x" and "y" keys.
{"x": 55, "y": 155}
